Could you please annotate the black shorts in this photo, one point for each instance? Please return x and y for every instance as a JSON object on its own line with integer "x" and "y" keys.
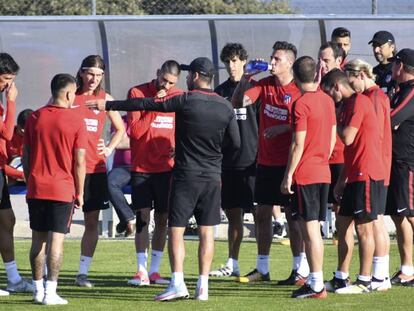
{"x": 383, "y": 200}
{"x": 150, "y": 190}
{"x": 198, "y": 195}
{"x": 309, "y": 202}
{"x": 362, "y": 199}
{"x": 48, "y": 215}
{"x": 335, "y": 172}
{"x": 96, "y": 195}
{"x": 4, "y": 192}
{"x": 237, "y": 188}
{"x": 267, "y": 187}
{"x": 400, "y": 200}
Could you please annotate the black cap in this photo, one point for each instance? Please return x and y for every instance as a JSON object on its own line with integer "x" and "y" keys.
{"x": 382, "y": 37}
{"x": 202, "y": 65}
{"x": 405, "y": 56}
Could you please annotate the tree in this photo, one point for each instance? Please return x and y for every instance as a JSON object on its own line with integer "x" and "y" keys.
{"x": 139, "y": 7}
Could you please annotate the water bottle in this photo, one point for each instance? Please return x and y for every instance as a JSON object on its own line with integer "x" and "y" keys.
{"x": 256, "y": 66}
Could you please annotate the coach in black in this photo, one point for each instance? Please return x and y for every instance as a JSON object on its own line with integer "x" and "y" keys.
{"x": 205, "y": 124}
{"x": 400, "y": 203}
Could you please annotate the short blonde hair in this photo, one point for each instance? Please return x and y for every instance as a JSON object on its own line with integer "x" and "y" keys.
{"x": 355, "y": 66}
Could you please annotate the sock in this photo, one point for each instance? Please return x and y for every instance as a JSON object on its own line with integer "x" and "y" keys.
{"x": 407, "y": 270}
{"x": 142, "y": 259}
{"x": 203, "y": 282}
{"x": 177, "y": 278}
{"x": 13, "y": 275}
{"x": 303, "y": 269}
{"x": 39, "y": 286}
{"x": 45, "y": 268}
{"x": 280, "y": 220}
{"x": 387, "y": 266}
{"x": 341, "y": 275}
{"x": 262, "y": 264}
{"x": 295, "y": 263}
{"x": 84, "y": 264}
{"x": 378, "y": 267}
{"x": 156, "y": 257}
{"x": 50, "y": 288}
{"x": 233, "y": 264}
{"x": 364, "y": 278}
{"x": 316, "y": 281}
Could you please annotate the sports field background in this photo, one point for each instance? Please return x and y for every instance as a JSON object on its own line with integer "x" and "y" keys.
{"x": 115, "y": 262}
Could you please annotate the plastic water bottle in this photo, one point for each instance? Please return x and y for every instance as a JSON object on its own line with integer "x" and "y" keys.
{"x": 256, "y": 66}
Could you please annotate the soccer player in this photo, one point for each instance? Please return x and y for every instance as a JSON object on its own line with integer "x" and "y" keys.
{"x": 89, "y": 79}
{"x": 342, "y": 37}
{"x": 363, "y": 176}
{"x": 14, "y": 149}
{"x": 362, "y": 80}
{"x": 238, "y": 167}
{"x": 152, "y": 147}
{"x": 400, "y": 205}
{"x": 54, "y": 166}
{"x": 205, "y": 125}
{"x": 330, "y": 57}
{"x": 383, "y": 47}
{"x": 313, "y": 139}
{"x": 276, "y": 92}
{"x": 8, "y": 72}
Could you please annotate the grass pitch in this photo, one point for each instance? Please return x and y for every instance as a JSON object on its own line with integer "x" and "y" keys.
{"x": 114, "y": 263}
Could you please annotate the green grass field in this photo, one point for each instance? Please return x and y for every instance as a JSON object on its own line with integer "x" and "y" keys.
{"x": 115, "y": 263}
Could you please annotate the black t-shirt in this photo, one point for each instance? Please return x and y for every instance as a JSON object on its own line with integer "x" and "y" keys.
{"x": 383, "y": 78}
{"x": 402, "y": 115}
{"x": 204, "y": 122}
{"x": 247, "y": 119}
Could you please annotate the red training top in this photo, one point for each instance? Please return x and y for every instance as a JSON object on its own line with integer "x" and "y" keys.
{"x": 14, "y": 149}
{"x": 362, "y": 158}
{"x": 382, "y": 110}
{"x": 6, "y": 129}
{"x": 275, "y": 109}
{"x": 52, "y": 134}
{"x": 152, "y": 136}
{"x": 314, "y": 112}
{"x": 95, "y": 122}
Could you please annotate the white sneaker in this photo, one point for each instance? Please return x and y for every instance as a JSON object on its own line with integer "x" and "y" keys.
{"x": 140, "y": 279}
{"x": 54, "y": 299}
{"x": 380, "y": 286}
{"x": 357, "y": 288}
{"x": 201, "y": 293}
{"x": 225, "y": 271}
{"x": 38, "y": 296}
{"x": 4, "y": 293}
{"x": 20, "y": 287}
{"x": 173, "y": 292}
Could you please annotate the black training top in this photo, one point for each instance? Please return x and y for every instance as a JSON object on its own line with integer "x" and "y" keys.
{"x": 384, "y": 78}
{"x": 402, "y": 115}
{"x": 204, "y": 124}
{"x": 247, "y": 119}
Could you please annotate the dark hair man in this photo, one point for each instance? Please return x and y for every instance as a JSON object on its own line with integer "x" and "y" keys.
{"x": 152, "y": 150}
{"x": 383, "y": 47}
{"x": 205, "y": 124}
{"x": 314, "y": 135}
{"x": 276, "y": 93}
{"x": 400, "y": 205}
{"x": 238, "y": 166}
{"x": 342, "y": 37}
{"x": 8, "y": 72}
{"x": 54, "y": 166}
{"x": 361, "y": 181}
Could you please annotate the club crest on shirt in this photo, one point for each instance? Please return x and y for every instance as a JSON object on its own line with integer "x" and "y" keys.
{"x": 287, "y": 99}
{"x": 388, "y": 78}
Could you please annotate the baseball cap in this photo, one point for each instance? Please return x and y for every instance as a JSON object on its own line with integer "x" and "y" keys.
{"x": 405, "y": 56}
{"x": 202, "y": 65}
{"x": 382, "y": 37}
